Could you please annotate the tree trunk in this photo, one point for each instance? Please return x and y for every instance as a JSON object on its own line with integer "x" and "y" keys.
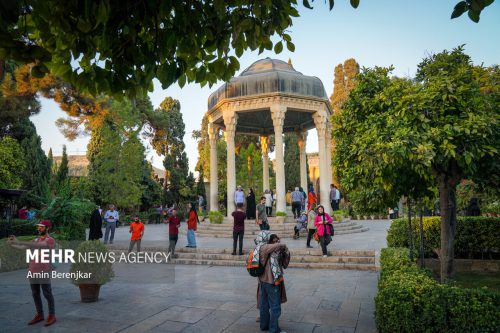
{"x": 447, "y": 205}
{"x": 410, "y": 231}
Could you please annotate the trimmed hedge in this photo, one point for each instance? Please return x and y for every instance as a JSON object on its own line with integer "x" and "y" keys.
{"x": 18, "y": 227}
{"x": 475, "y": 236}
{"x": 410, "y": 300}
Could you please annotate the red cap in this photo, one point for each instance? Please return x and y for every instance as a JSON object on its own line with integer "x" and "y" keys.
{"x": 44, "y": 223}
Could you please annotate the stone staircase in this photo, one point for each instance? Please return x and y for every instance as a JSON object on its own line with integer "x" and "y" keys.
{"x": 283, "y": 230}
{"x": 363, "y": 260}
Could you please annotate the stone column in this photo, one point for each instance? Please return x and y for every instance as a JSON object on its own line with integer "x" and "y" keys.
{"x": 302, "y": 139}
{"x": 320, "y": 121}
{"x": 264, "y": 144}
{"x": 214, "y": 194}
{"x": 278, "y": 115}
{"x": 329, "y": 151}
{"x": 230, "y": 119}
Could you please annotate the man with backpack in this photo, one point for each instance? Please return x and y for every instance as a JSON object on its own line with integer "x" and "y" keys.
{"x": 267, "y": 262}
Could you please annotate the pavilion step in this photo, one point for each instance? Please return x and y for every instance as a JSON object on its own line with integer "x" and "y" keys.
{"x": 273, "y": 228}
{"x": 293, "y": 252}
{"x": 332, "y": 266}
{"x": 294, "y": 258}
{"x": 283, "y": 234}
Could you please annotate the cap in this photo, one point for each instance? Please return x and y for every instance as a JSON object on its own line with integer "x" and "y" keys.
{"x": 44, "y": 223}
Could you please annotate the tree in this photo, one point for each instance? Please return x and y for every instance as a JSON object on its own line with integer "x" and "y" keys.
{"x": 12, "y": 164}
{"x": 130, "y": 188}
{"x": 200, "y": 185}
{"x": 62, "y": 169}
{"x": 37, "y": 174}
{"x": 123, "y": 45}
{"x": 292, "y": 161}
{"x": 250, "y": 172}
{"x": 169, "y": 142}
{"x": 152, "y": 188}
{"x": 436, "y": 129}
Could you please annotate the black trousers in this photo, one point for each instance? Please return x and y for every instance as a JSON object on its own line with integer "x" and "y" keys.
{"x": 296, "y": 205}
{"x": 323, "y": 245}
{"x": 269, "y": 210}
{"x": 310, "y": 233}
{"x": 47, "y": 293}
{"x": 238, "y": 235}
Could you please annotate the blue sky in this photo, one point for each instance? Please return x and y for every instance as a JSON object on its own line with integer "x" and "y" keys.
{"x": 377, "y": 33}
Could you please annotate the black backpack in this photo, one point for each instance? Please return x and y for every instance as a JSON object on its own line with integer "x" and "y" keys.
{"x": 257, "y": 271}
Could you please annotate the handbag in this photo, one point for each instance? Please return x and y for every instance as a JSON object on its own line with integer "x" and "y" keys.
{"x": 316, "y": 236}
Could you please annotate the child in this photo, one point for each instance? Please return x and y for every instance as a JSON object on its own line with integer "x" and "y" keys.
{"x": 301, "y": 224}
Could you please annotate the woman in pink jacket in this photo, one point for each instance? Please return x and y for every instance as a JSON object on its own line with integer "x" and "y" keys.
{"x": 324, "y": 227}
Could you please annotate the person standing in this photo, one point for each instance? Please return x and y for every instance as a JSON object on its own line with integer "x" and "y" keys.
{"x": 239, "y": 196}
{"x": 296, "y": 202}
{"x": 111, "y": 217}
{"x": 95, "y": 226}
{"x": 22, "y": 213}
{"x": 238, "y": 228}
{"x": 323, "y": 223}
{"x": 311, "y": 198}
{"x": 137, "y": 231}
{"x": 192, "y": 225}
{"x": 311, "y": 228}
{"x": 288, "y": 197}
{"x": 262, "y": 214}
{"x": 174, "y": 223}
{"x": 333, "y": 194}
{"x": 39, "y": 272}
{"x": 275, "y": 257}
{"x": 269, "y": 202}
{"x": 304, "y": 198}
{"x": 158, "y": 211}
{"x": 251, "y": 204}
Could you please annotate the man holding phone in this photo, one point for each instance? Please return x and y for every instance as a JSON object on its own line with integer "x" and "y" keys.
{"x": 111, "y": 217}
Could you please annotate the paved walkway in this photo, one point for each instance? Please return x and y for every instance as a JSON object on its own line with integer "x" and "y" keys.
{"x": 182, "y": 298}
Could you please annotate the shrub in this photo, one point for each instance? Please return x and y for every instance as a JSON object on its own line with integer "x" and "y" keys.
{"x": 215, "y": 217}
{"x": 281, "y": 214}
{"x": 18, "y": 227}
{"x": 410, "y": 300}
{"x": 101, "y": 271}
{"x": 475, "y": 235}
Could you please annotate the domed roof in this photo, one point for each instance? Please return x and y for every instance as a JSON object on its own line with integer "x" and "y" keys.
{"x": 268, "y": 76}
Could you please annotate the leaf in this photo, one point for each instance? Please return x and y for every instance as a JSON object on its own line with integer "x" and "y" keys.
{"x": 278, "y": 47}
{"x": 473, "y": 15}
{"x": 332, "y": 3}
{"x": 459, "y": 9}
{"x": 354, "y": 3}
{"x": 182, "y": 80}
{"x": 306, "y": 4}
{"x": 290, "y": 46}
{"x": 220, "y": 7}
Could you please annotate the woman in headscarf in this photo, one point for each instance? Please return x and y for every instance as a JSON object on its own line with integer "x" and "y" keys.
{"x": 311, "y": 228}
{"x": 95, "y": 226}
{"x": 311, "y": 198}
{"x": 323, "y": 223}
{"x": 192, "y": 223}
{"x": 251, "y": 204}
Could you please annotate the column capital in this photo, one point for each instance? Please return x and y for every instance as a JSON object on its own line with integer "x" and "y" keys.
{"x": 213, "y": 130}
{"x": 278, "y": 113}
{"x": 264, "y": 144}
{"x": 301, "y": 139}
{"x": 320, "y": 121}
{"x": 230, "y": 121}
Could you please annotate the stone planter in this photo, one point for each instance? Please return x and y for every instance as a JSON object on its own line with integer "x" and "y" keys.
{"x": 280, "y": 219}
{"x": 89, "y": 292}
{"x": 358, "y": 217}
{"x": 372, "y": 217}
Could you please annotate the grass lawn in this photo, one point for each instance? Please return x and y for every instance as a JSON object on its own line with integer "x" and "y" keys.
{"x": 491, "y": 280}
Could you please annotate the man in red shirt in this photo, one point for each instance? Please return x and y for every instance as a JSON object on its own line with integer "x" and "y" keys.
{"x": 23, "y": 213}
{"x": 174, "y": 222}
{"x": 39, "y": 272}
{"x": 137, "y": 231}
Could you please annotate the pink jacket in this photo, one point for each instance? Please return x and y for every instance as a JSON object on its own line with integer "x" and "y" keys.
{"x": 318, "y": 222}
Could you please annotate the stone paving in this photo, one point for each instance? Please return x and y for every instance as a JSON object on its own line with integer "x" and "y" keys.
{"x": 184, "y": 298}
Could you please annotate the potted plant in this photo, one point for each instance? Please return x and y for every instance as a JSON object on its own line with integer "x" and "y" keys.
{"x": 215, "y": 217}
{"x": 280, "y": 217}
{"x": 96, "y": 272}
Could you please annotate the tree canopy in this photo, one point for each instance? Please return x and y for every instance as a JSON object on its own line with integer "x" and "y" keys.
{"x": 121, "y": 45}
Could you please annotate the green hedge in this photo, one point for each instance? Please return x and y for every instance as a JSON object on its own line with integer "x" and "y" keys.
{"x": 475, "y": 236}
{"x": 410, "y": 300}
{"x": 18, "y": 227}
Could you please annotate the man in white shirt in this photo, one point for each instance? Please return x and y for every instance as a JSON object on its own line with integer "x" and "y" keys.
{"x": 239, "y": 196}
{"x": 111, "y": 217}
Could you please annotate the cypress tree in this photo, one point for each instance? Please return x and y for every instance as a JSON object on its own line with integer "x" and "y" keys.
{"x": 292, "y": 161}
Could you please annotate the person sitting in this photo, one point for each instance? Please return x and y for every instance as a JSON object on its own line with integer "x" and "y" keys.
{"x": 301, "y": 224}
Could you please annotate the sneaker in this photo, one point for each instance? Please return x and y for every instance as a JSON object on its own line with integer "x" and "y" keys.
{"x": 258, "y": 319}
{"x": 309, "y": 247}
{"x": 241, "y": 253}
{"x": 233, "y": 254}
{"x": 50, "y": 320}
{"x": 36, "y": 319}
{"x": 324, "y": 256}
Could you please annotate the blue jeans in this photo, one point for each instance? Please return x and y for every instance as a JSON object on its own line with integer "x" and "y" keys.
{"x": 270, "y": 301}
{"x": 110, "y": 226}
{"x": 191, "y": 238}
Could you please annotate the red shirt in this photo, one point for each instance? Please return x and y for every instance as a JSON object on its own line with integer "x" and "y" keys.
{"x": 192, "y": 221}
{"x": 137, "y": 229}
{"x": 173, "y": 222}
{"x": 23, "y": 214}
{"x": 239, "y": 220}
{"x": 38, "y": 266}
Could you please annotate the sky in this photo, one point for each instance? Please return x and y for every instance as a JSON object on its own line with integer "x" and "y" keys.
{"x": 377, "y": 33}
